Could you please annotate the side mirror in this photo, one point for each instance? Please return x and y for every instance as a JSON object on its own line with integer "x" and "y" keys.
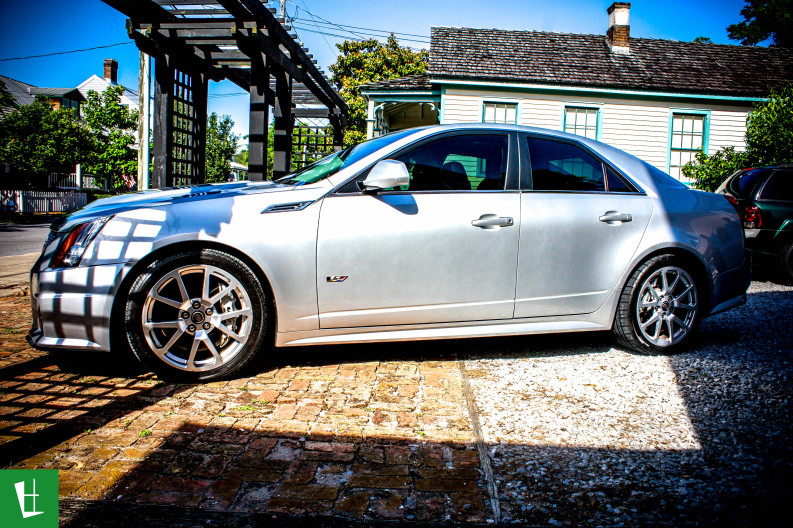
{"x": 386, "y": 174}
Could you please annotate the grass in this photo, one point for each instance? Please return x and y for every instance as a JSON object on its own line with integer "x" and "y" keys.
{"x": 144, "y": 433}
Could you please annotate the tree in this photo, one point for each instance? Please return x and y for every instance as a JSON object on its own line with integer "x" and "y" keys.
{"x": 365, "y": 62}
{"x": 37, "y": 140}
{"x": 764, "y": 19}
{"x": 769, "y": 141}
{"x": 769, "y": 130}
{"x": 221, "y": 145}
{"x": 703, "y": 40}
{"x": 113, "y": 126}
{"x": 7, "y": 101}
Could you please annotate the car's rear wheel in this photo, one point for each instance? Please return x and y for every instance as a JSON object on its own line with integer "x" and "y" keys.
{"x": 196, "y": 316}
{"x": 659, "y": 307}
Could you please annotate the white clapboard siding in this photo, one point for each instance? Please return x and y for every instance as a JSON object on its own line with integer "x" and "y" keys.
{"x": 43, "y": 202}
{"x": 638, "y": 127}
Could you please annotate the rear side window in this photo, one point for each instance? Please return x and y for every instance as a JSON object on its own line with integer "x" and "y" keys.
{"x": 558, "y": 166}
{"x": 778, "y": 187}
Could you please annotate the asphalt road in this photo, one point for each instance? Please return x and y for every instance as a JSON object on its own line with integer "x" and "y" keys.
{"x": 19, "y": 239}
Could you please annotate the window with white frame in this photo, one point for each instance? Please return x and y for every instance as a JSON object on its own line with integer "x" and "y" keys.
{"x": 688, "y": 138}
{"x": 501, "y": 113}
{"x": 581, "y": 121}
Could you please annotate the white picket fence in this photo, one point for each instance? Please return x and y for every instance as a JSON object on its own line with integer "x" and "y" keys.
{"x": 42, "y": 202}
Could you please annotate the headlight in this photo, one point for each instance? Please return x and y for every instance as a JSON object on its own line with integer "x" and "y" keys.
{"x": 76, "y": 242}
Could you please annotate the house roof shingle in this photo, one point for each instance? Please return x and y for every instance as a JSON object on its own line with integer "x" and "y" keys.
{"x": 409, "y": 82}
{"x": 586, "y": 60}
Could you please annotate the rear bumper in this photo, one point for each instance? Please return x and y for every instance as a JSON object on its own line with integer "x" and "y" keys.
{"x": 729, "y": 287}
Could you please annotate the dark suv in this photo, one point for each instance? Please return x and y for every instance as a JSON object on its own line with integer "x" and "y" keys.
{"x": 763, "y": 198}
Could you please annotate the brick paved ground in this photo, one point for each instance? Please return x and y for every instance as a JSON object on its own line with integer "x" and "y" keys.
{"x": 359, "y": 439}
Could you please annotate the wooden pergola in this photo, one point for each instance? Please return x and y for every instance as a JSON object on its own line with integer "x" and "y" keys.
{"x": 195, "y": 41}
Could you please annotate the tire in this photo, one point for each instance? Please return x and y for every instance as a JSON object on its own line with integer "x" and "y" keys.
{"x": 785, "y": 260}
{"x": 659, "y": 307}
{"x": 196, "y": 316}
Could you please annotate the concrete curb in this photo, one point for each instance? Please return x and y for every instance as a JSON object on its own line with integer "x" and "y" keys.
{"x": 15, "y": 273}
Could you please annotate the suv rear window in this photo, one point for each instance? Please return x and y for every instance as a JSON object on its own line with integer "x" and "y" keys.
{"x": 779, "y": 187}
{"x": 742, "y": 185}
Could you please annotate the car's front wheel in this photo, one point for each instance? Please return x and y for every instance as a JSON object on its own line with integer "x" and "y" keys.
{"x": 196, "y": 316}
{"x": 659, "y": 307}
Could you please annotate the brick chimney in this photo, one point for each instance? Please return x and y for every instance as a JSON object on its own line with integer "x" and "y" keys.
{"x": 619, "y": 32}
{"x": 111, "y": 71}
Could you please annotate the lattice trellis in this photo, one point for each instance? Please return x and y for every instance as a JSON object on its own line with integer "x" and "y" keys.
{"x": 186, "y": 159}
{"x": 310, "y": 143}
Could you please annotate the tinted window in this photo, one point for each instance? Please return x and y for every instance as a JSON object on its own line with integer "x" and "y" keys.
{"x": 557, "y": 166}
{"x": 779, "y": 186}
{"x": 616, "y": 183}
{"x": 743, "y": 184}
{"x": 458, "y": 163}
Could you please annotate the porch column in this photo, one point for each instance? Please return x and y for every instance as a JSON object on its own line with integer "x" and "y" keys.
{"x": 282, "y": 117}
{"x": 161, "y": 130}
{"x": 370, "y": 120}
{"x": 257, "y": 131}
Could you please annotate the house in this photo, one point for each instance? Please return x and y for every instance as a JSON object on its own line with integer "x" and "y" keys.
{"x": 24, "y": 94}
{"x": 98, "y": 84}
{"x": 661, "y": 100}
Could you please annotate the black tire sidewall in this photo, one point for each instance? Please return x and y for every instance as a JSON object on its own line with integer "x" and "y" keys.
{"x": 158, "y": 269}
{"x": 637, "y": 342}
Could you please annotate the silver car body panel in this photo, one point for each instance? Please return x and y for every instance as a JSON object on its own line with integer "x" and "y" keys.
{"x": 415, "y": 266}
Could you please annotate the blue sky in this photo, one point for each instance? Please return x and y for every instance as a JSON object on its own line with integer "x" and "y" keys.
{"x": 48, "y": 26}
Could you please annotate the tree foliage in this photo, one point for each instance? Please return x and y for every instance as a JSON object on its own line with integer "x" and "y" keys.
{"x": 365, "y": 62}
{"x": 769, "y": 141}
{"x": 221, "y": 145}
{"x": 113, "y": 126}
{"x": 7, "y": 100}
{"x": 37, "y": 140}
{"x": 764, "y": 19}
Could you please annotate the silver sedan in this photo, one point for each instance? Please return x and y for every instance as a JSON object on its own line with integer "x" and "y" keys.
{"x": 430, "y": 233}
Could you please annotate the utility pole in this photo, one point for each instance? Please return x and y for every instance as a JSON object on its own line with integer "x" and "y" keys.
{"x": 143, "y": 125}
{"x": 283, "y": 9}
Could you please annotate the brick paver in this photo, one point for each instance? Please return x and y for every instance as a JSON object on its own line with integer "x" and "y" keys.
{"x": 358, "y": 439}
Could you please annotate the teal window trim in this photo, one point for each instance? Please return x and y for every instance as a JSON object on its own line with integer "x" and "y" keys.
{"x": 598, "y": 115}
{"x": 442, "y": 113}
{"x": 511, "y": 102}
{"x": 705, "y": 130}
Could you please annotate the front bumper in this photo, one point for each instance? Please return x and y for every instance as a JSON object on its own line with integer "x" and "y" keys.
{"x": 72, "y": 306}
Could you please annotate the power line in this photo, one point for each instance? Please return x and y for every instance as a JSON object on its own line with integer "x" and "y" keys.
{"x": 365, "y": 35}
{"x": 65, "y": 52}
{"x": 349, "y": 29}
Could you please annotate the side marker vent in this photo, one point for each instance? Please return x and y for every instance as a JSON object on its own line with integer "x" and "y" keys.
{"x": 283, "y": 208}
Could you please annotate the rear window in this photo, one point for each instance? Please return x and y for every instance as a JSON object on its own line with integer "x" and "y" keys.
{"x": 778, "y": 187}
{"x": 742, "y": 185}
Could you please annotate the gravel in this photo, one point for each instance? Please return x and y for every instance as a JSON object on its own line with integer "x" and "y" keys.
{"x": 581, "y": 433}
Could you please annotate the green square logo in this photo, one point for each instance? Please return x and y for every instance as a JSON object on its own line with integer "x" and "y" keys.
{"x": 29, "y": 498}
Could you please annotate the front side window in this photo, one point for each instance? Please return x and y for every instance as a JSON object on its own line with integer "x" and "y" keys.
{"x": 558, "y": 166}
{"x": 581, "y": 121}
{"x": 501, "y": 113}
{"x": 471, "y": 162}
{"x": 688, "y": 138}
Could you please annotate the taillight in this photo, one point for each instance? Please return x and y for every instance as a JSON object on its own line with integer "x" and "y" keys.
{"x": 751, "y": 217}
{"x": 734, "y": 201}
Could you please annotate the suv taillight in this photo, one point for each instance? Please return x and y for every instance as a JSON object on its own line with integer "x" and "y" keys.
{"x": 734, "y": 201}
{"x": 751, "y": 217}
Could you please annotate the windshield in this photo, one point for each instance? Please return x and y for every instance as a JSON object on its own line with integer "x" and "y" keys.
{"x": 319, "y": 170}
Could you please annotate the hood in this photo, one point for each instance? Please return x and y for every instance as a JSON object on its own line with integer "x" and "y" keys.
{"x": 172, "y": 195}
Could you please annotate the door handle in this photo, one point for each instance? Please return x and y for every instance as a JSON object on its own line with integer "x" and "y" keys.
{"x": 615, "y": 218}
{"x": 491, "y": 221}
